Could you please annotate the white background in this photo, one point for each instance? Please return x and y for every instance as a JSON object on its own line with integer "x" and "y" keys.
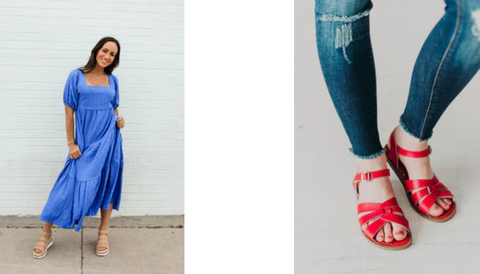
{"x": 41, "y": 42}
{"x": 327, "y": 234}
{"x": 239, "y": 136}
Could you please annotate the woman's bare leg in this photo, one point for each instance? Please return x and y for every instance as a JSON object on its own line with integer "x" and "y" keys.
{"x": 105, "y": 219}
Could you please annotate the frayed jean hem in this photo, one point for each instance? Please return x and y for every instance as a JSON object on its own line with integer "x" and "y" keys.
{"x": 372, "y": 156}
{"x": 404, "y": 126}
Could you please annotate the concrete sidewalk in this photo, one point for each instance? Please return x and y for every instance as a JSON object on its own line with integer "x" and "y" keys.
{"x": 141, "y": 249}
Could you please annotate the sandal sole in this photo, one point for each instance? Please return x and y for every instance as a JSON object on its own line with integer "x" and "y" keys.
{"x": 102, "y": 254}
{"x": 402, "y": 179}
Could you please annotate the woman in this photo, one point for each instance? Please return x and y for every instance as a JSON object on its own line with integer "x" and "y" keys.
{"x": 448, "y": 60}
{"x": 92, "y": 175}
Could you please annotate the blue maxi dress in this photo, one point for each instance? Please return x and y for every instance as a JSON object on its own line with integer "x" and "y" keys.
{"x": 94, "y": 180}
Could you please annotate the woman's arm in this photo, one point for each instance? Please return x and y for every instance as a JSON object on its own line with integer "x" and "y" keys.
{"x": 73, "y": 148}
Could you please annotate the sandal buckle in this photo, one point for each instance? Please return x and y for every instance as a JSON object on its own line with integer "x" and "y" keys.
{"x": 365, "y": 177}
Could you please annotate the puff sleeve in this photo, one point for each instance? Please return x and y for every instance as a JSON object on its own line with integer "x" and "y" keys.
{"x": 70, "y": 93}
{"x": 116, "y": 98}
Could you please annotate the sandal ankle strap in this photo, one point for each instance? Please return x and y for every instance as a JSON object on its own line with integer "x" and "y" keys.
{"x": 396, "y": 150}
{"x": 414, "y": 154}
{"x": 368, "y": 176}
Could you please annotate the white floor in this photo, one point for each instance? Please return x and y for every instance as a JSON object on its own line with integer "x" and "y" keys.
{"x": 327, "y": 235}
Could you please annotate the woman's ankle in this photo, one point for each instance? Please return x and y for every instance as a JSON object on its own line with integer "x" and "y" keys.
{"x": 407, "y": 141}
{"x": 419, "y": 168}
{"x": 374, "y": 164}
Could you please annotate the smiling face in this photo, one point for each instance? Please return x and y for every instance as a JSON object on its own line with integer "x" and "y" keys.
{"x": 106, "y": 54}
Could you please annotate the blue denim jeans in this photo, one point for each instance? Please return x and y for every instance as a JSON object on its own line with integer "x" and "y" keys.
{"x": 447, "y": 61}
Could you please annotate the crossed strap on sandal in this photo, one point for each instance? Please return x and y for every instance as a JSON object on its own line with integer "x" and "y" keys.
{"x": 429, "y": 191}
{"x": 102, "y": 242}
{"x": 421, "y": 193}
{"x": 378, "y": 214}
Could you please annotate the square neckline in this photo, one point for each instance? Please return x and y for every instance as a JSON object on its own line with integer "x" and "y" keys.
{"x": 86, "y": 83}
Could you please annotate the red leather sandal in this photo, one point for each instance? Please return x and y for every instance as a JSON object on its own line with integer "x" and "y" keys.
{"x": 380, "y": 213}
{"x": 428, "y": 190}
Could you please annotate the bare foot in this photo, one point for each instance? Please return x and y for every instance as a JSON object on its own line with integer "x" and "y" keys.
{"x": 419, "y": 168}
{"x": 378, "y": 191}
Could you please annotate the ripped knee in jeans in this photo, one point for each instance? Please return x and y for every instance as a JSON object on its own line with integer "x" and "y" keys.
{"x": 343, "y": 35}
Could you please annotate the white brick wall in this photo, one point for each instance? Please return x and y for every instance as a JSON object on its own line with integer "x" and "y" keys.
{"x": 40, "y": 43}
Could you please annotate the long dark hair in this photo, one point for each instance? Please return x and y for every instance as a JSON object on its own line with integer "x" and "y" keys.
{"x": 93, "y": 57}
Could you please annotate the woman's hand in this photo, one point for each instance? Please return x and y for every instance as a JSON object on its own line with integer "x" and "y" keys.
{"x": 74, "y": 151}
{"x": 120, "y": 122}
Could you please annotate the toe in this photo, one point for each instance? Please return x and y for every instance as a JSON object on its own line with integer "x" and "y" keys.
{"x": 387, "y": 228}
{"x": 399, "y": 232}
{"x": 435, "y": 210}
{"x": 448, "y": 201}
{"x": 442, "y": 204}
{"x": 380, "y": 235}
{"x": 37, "y": 251}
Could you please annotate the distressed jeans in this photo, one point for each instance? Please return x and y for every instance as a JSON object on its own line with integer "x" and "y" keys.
{"x": 448, "y": 60}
